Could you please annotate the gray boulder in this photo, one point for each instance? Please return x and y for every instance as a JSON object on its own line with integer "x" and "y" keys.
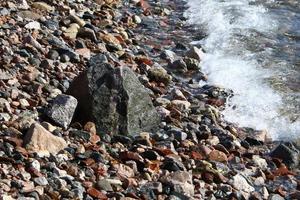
{"x": 114, "y": 99}
{"x": 287, "y": 153}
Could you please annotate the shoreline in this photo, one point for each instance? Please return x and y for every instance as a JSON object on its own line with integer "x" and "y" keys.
{"x": 194, "y": 154}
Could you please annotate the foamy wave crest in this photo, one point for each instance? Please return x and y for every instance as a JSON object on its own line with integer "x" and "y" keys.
{"x": 231, "y": 25}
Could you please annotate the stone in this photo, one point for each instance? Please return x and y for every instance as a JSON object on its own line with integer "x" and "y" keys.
{"x": 287, "y": 153}
{"x": 24, "y": 103}
{"x": 33, "y": 25}
{"x": 41, "y": 181}
{"x": 88, "y": 33}
{"x": 257, "y": 137}
{"x": 159, "y": 74}
{"x": 114, "y": 99}
{"x": 275, "y": 197}
{"x": 111, "y": 40}
{"x": 179, "y": 65}
{"x": 241, "y": 184}
{"x": 178, "y": 134}
{"x": 137, "y": 19}
{"x": 195, "y": 53}
{"x": 160, "y": 101}
{"x": 260, "y": 162}
{"x": 181, "y": 104}
{"x": 43, "y": 6}
{"x": 151, "y": 189}
{"x": 181, "y": 182}
{"x": 173, "y": 164}
{"x": 96, "y": 193}
{"x": 39, "y": 140}
{"x": 23, "y": 5}
{"x": 124, "y": 170}
{"x": 219, "y": 156}
{"x": 84, "y": 52}
{"x": 62, "y": 48}
{"x": 177, "y": 94}
{"x": 105, "y": 185}
{"x": 168, "y": 55}
{"x": 72, "y": 31}
{"x": 163, "y": 112}
{"x": 192, "y": 64}
{"x": 48, "y": 126}
{"x": 74, "y": 18}
{"x": 4, "y": 117}
{"x": 62, "y": 109}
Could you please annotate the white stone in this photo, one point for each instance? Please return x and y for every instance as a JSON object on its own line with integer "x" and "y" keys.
{"x": 33, "y": 25}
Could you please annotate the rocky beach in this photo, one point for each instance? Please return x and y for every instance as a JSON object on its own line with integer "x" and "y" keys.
{"x": 100, "y": 99}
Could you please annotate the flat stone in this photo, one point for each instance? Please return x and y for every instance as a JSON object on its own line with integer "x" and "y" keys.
{"x": 29, "y": 15}
{"x": 43, "y": 6}
{"x": 41, "y": 141}
{"x": 62, "y": 109}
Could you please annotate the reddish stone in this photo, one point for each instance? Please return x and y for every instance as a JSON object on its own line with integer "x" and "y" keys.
{"x": 282, "y": 171}
{"x": 216, "y": 102}
{"x": 196, "y": 155}
{"x": 143, "y": 60}
{"x": 95, "y": 139}
{"x": 130, "y": 156}
{"x": 144, "y": 4}
{"x": 96, "y": 194}
{"x": 219, "y": 156}
{"x": 154, "y": 166}
{"x": 89, "y": 161}
{"x": 87, "y": 184}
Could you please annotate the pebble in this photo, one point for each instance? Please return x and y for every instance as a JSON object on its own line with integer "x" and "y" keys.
{"x": 62, "y": 109}
{"x": 42, "y": 181}
{"x": 33, "y": 25}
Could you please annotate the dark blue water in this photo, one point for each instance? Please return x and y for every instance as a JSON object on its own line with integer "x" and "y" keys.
{"x": 253, "y": 47}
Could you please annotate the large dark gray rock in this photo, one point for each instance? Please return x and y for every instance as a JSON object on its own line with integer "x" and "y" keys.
{"x": 287, "y": 153}
{"x": 114, "y": 99}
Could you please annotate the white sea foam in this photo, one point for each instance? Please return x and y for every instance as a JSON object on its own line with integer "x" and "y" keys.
{"x": 231, "y": 64}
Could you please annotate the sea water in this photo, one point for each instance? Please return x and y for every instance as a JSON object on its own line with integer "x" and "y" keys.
{"x": 253, "y": 48}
